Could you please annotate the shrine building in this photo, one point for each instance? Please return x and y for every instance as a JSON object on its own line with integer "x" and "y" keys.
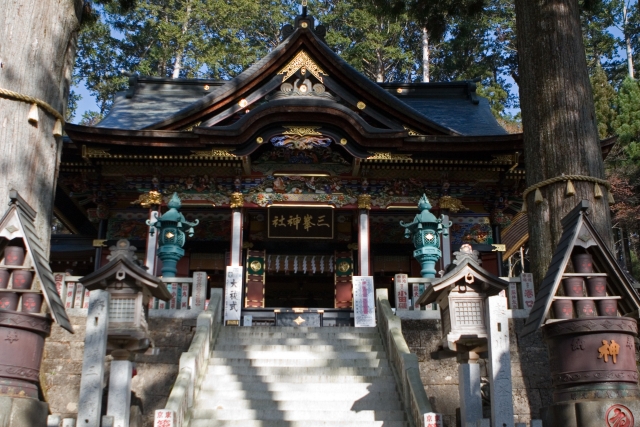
{"x": 300, "y": 165}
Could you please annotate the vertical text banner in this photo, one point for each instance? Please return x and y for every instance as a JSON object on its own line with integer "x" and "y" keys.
{"x": 528, "y": 293}
{"x": 233, "y": 296}
{"x": 513, "y": 296}
{"x": 199, "y": 290}
{"x": 402, "y": 291}
{"x": 364, "y": 308}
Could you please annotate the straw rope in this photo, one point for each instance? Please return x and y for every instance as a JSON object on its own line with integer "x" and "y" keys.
{"x": 566, "y": 178}
{"x": 9, "y": 94}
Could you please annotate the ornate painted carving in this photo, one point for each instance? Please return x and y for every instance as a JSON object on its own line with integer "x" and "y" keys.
{"x": 304, "y": 63}
{"x": 236, "y": 200}
{"x": 451, "y": 203}
{"x": 364, "y": 201}
{"x": 213, "y": 154}
{"x": 146, "y": 200}
{"x": 390, "y": 157}
{"x": 300, "y": 142}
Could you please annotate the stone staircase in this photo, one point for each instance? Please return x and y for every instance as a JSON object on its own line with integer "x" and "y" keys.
{"x": 295, "y": 377}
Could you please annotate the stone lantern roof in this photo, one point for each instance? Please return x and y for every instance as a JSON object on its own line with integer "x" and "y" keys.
{"x": 123, "y": 264}
{"x": 466, "y": 267}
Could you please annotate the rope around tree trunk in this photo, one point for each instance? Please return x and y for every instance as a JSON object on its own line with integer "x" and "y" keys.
{"x": 9, "y": 94}
{"x": 570, "y": 191}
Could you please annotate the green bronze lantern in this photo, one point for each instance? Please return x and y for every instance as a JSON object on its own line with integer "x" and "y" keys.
{"x": 172, "y": 227}
{"x": 425, "y": 231}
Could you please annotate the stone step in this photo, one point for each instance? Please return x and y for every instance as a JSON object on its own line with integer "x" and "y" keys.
{"x": 316, "y": 334}
{"x": 297, "y": 341}
{"x": 212, "y": 382}
{"x": 216, "y": 354}
{"x": 267, "y": 402}
{"x": 325, "y": 371}
{"x": 282, "y": 423}
{"x": 338, "y": 346}
{"x": 250, "y": 384}
{"x": 302, "y": 392}
{"x": 301, "y": 363}
{"x": 297, "y": 415}
{"x": 302, "y": 329}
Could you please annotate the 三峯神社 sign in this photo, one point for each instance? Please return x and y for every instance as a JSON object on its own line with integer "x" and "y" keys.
{"x": 300, "y": 222}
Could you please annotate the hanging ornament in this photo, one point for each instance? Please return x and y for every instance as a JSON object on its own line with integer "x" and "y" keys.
{"x": 33, "y": 114}
{"x": 571, "y": 191}
{"x": 597, "y": 192}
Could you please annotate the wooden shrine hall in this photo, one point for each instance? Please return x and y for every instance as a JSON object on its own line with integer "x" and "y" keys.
{"x": 300, "y": 170}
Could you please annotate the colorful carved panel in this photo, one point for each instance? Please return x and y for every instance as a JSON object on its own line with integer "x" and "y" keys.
{"x": 470, "y": 229}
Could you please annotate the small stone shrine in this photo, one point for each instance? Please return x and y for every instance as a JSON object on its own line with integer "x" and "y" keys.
{"x": 590, "y": 337}
{"x": 26, "y": 281}
{"x": 116, "y": 325}
{"x": 474, "y": 322}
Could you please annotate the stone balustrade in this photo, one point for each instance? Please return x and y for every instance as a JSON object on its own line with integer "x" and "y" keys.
{"x": 404, "y": 363}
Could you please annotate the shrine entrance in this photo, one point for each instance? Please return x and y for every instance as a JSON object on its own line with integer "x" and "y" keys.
{"x": 308, "y": 270}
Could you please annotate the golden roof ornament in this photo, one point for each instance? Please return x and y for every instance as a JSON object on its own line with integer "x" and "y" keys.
{"x": 304, "y": 63}
{"x": 364, "y": 201}
{"x": 450, "y": 203}
{"x": 149, "y": 199}
{"x": 236, "y": 200}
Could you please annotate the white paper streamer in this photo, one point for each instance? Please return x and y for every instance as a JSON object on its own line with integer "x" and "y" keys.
{"x": 277, "y": 263}
{"x": 286, "y": 263}
{"x": 295, "y": 264}
{"x": 313, "y": 264}
{"x": 331, "y": 264}
{"x": 304, "y": 265}
{"x": 322, "y": 264}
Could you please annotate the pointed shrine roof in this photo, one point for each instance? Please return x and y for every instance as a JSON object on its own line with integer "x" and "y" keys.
{"x": 18, "y": 222}
{"x": 467, "y": 265}
{"x": 154, "y": 104}
{"x": 579, "y": 231}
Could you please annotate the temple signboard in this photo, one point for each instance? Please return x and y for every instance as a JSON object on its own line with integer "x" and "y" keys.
{"x": 364, "y": 310}
{"x": 295, "y": 222}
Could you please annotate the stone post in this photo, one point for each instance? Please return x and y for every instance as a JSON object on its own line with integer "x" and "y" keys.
{"x": 469, "y": 388}
{"x": 119, "y": 402}
{"x": 95, "y": 349}
{"x": 499, "y": 362}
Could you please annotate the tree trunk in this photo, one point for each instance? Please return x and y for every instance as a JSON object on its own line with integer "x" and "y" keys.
{"x": 177, "y": 64}
{"x": 627, "y": 39}
{"x": 36, "y": 56}
{"x": 558, "y": 117}
{"x": 425, "y": 56}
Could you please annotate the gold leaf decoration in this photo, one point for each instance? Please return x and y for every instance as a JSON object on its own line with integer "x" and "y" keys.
{"x": 213, "y": 153}
{"x": 387, "y": 156}
{"x": 302, "y": 60}
{"x": 148, "y": 199}
{"x": 301, "y": 131}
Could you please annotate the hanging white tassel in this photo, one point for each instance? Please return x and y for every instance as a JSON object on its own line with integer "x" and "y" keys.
{"x": 538, "y": 197}
{"x": 57, "y": 128}
{"x": 33, "y": 114}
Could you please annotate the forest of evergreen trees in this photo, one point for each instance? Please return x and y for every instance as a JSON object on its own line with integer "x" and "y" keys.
{"x": 467, "y": 39}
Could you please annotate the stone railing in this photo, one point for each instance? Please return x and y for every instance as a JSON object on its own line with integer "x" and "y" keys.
{"x": 193, "y": 365}
{"x": 404, "y": 363}
{"x": 187, "y": 294}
